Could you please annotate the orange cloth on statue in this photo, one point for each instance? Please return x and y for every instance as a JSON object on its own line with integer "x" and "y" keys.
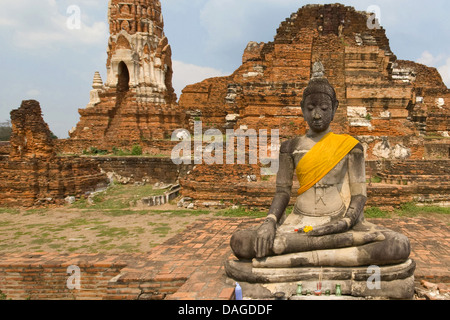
{"x": 322, "y": 158}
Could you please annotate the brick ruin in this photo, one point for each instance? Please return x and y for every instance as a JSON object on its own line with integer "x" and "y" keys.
{"x": 399, "y": 110}
{"x": 137, "y": 103}
{"x": 33, "y": 174}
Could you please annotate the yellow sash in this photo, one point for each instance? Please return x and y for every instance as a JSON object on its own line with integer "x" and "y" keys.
{"x": 322, "y": 158}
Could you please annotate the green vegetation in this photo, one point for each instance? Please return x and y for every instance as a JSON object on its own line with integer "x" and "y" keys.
{"x": 5, "y": 131}
{"x": 374, "y": 179}
{"x": 95, "y": 151}
{"x": 136, "y": 150}
{"x": 435, "y": 137}
{"x": 373, "y": 212}
{"x": 2, "y": 295}
{"x": 405, "y": 210}
{"x": 182, "y": 212}
{"x": 111, "y": 222}
{"x": 412, "y": 210}
{"x": 9, "y": 210}
{"x": 117, "y": 197}
{"x": 241, "y": 212}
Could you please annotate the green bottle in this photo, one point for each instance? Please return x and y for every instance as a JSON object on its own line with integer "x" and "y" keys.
{"x": 338, "y": 290}
{"x": 299, "y": 289}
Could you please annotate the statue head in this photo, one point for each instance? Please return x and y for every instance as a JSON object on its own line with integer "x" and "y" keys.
{"x": 319, "y": 103}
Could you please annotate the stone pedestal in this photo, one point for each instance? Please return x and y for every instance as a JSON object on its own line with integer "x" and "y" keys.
{"x": 395, "y": 281}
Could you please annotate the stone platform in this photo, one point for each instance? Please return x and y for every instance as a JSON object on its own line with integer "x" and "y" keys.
{"x": 189, "y": 266}
{"x": 395, "y": 282}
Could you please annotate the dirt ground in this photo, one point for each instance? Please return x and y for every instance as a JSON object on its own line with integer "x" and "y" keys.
{"x": 114, "y": 223}
{"x": 68, "y": 230}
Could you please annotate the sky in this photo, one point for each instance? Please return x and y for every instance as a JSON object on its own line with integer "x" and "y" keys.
{"x": 50, "y": 49}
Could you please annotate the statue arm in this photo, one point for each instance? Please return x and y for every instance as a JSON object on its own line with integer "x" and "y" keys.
{"x": 285, "y": 176}
{"x": 358, "y": 188}
{"x": 355, "y": 211}
{"x": 266, "y": 233}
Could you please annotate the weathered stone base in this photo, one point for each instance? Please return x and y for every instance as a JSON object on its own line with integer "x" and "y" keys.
{"x": 396, "y": 281}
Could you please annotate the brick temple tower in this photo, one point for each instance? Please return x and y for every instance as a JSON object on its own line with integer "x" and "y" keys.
{"x": 137, "y": 102}
{"x": 139, "y": 54}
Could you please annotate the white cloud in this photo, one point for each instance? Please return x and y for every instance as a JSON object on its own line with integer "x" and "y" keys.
{"x": 440, "y": 62}
{"x": 185, "y": 74}
{"x": 45, "y": 25}
{"x": 428, "y": 59}
{"x": 33, "y": 93}
{"x": 444, "y": 70}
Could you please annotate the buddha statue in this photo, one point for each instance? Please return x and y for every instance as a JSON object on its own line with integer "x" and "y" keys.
{"x": 327, "y": 227}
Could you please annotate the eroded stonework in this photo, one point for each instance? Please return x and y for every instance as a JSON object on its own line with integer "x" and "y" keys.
{"x": 137, "y": 102}
{"x": 398, "y": 110}
{"x": 33, "y": 174}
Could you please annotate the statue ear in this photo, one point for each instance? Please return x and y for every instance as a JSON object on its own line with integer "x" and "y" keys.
{"x": 335, "y": 107}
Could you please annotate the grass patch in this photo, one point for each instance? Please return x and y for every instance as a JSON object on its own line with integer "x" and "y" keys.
{"x": 162, "y": 231}
{"x": 41, "y": 241}
{"x": 374, "y": 212}
{"x": 2, "y": 295}
{"x": 9, "y": 210}
{"x": 374, "y": 179}
{"x": 36, "y": 211}
{"x": 241, "y": 212}
{"x": 117, "y": 197}
{"x": 129, "y": 247}
{"x": 124, "y": 212}
{"x": 5, "y": 223}
{"x": 111, "y": 232}
{"x": 182, "y": 212}
{"x": 411, "y": 209}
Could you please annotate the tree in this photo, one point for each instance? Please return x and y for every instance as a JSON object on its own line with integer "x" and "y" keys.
{"x": 5, "y": 131}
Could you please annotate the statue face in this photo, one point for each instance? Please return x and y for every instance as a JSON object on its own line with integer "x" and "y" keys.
{"x": 318, "y": 111}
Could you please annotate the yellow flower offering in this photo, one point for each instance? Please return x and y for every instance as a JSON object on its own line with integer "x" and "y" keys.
{"x": 308, "y": 229}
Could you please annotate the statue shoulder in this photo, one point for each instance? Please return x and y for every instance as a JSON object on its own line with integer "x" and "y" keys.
{"x": 358, "y": 150}
{"x": 289, "y": 146}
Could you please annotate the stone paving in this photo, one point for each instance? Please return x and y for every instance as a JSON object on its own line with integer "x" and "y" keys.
{"x": 190, "y": 266}
{"x": 198, "y": 254}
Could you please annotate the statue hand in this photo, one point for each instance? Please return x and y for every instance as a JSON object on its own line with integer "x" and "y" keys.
{"x": 265, "y": 237}
{"x": 354, "y": 213}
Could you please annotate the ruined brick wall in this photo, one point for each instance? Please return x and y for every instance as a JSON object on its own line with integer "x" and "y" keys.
{"x": 122, "y": 121}
{"x": 397, "y": 109}
{"x": 142, "y": 169}
{"x": 158, "y": 148}
{"x": 31, "y": 136}
{"x": 33, "y": 174}
{"x": 33, "y": 183}
{"x": 44, "y": 276}
{"x": 376, "y": 91}
{"x": 426, "y": 182}
{"x": 5, "y": 148}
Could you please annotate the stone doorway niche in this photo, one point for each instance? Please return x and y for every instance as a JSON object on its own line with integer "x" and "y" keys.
{"x": 123, "y": 84}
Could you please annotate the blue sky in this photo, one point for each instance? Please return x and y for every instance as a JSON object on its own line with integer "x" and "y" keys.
{"x": 42, "y": 58}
